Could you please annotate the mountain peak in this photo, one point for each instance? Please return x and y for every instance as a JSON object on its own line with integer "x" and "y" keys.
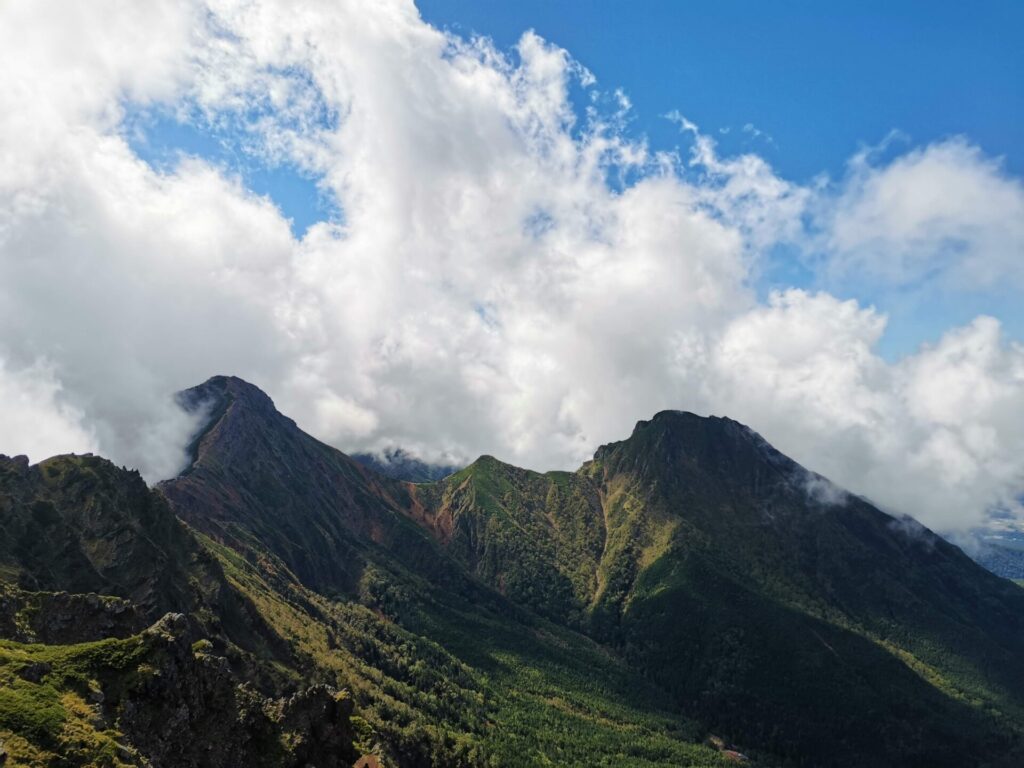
{"x": 706, "y": 440}
{"x": 222, "y": 399}
{"x": 682, "y": 420}
{"x": 218, "y": 389}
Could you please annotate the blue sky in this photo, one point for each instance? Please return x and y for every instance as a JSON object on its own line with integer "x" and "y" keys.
{"x": 820, "y": 78}
{"x": 161, "y": 139}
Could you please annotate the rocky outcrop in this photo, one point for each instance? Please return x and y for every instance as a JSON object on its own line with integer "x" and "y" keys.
{"x": 317, "y": 721}
{"x": 62, "y": 618}
{"x": 81, "y": 524}
{"x": 88, "y": 550}
{"x": 183, "y": 707}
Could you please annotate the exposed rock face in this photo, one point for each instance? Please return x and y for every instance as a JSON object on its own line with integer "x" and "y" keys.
{"x": 254, "y": 470}
{"x": 189, "y": 710}
{"x": 159, "y": 699}
{"x": 63, "y": 618}
{"x": 317, "y": 720}
{"x": 257, "y": 479}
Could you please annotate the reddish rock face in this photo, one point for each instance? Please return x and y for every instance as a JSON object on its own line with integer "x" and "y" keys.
{"x": 254, "y": 470}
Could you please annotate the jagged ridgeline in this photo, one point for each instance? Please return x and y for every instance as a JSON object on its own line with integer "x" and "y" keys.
{"x": 688, "y": 595}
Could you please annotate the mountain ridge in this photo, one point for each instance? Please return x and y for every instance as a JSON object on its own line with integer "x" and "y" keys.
{"x": 686, "y": 581}
{"x": 598, "y": 549}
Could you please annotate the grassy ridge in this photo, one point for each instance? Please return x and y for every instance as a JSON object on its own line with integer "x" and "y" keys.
{"x": 816, "y": 631}
{"x": 48, "y": 701}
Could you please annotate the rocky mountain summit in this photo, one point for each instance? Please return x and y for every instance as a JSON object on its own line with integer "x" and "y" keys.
{"x": 689, "y": 596}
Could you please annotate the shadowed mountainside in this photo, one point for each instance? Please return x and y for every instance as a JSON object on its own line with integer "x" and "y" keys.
{"x": 687, "y": 580}
{"x": 90, "y": 557}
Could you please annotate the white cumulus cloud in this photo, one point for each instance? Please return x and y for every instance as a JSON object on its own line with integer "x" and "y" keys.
{"x": 944, "y": 212}
{"x": 41, "y": 425}
{"x": 508, "y": 274}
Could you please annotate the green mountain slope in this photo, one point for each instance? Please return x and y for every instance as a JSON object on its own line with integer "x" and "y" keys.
{"x": 819, "y": 629}
{"x": 300, "y": 574}
{"x": 90, "y": 557}
{"x": 688, "y": 581}
{"x": 443, "y": 668}
{"x": 80, "y": 525}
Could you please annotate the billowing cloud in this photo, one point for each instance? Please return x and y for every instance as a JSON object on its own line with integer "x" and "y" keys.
{"x": 32, "y": 413}
{"x": 508, "y": 274}
{"x": 944, "y": 213}
{"x": 936, "y": 435}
